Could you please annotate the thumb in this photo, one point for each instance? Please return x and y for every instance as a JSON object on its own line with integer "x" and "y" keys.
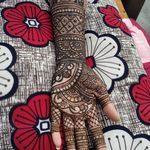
{"x": 111, "y": 112}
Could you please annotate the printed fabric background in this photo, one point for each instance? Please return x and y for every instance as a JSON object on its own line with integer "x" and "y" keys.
{"x": 27, "y": 62}
{"x": 111, "y": 52}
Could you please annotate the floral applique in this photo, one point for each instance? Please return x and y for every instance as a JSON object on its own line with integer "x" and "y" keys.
{"x": 121, "y": 138}
{"x": 32, "y": 123}
{"x": 28, "y": 22}
{"x": 113, "y": 19}
{"x": 8, "y": 79}
{"x": 140, "y": 93}
{"x": 102, "y": 56}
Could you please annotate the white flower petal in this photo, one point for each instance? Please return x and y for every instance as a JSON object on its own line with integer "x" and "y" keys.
{"x": 141, "y": 143}
{"x": 91, "y": 43}
{"x": 106, "y": 47}
{"x": 6, "y": 82}
{"x": 8, "y": 79}
{"x": 5, "y": 57}
{"x": 101, "y": 46}
{"x": 112, "y": 67}
{"x": 122, "y": 139}
{"x": 105, "y": 78}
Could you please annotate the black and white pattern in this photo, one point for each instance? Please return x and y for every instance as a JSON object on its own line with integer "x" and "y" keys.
{"x": 8, "y": 79}
{"x": 93, "y": 1}
{"x": 121, "y": 138}
{"x": 34, "y": 68}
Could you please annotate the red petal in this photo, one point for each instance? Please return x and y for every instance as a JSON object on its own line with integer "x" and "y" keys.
{"x": 25, "y": 138}
{"x": 113, "y": 11}
{"x": 42, "y": 16}
{"x": 40, "y": 105}
{"x": 47, "y": 31}
{"x": 15, "y": 29}
{"x": 29, "y": 10}
{"x": 103, "y": 10}
{"x": 46, "y": 142}
{"x": 144, "y": 112}
{"x": 110, "y": 10}
{"x": 46, "y": 24}
{"x": 35, "y": 37}
{"x": 112, "y": 21}
{"x": 125, "y": 29}
{"x": 23, "y": 117}
{"x": 140, "y": 94}
{"x": 12, "y": 14}
{"x": 141, "y": 91}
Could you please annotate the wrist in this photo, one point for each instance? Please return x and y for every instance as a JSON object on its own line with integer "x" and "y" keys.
{"x": 70, "y": 47}
{"x": 59, "y": 62}
{"x": 69, "y": 23}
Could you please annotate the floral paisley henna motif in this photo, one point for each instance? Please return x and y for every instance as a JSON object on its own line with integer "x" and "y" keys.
{"x": 66, "y": 75}
{"x": 75, "y": 86}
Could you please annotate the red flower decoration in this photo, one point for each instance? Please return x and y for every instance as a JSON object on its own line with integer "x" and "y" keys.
{"x": 140, "y": 93}
{"x": 29, "y": 22}
{"x": 32, "y": 123}
{"x": 147, "y": 68}
{"x": 113, "y": 19}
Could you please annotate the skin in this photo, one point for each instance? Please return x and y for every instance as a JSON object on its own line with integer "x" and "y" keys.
{"x": 76, "y": 89}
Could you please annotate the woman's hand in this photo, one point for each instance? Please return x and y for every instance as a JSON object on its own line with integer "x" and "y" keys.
{"x": 75, "y": 90}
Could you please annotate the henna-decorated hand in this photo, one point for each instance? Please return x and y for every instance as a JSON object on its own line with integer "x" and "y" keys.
{"x": 75, "y": 88}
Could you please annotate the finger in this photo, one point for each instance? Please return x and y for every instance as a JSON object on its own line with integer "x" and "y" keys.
{"x": 111, "y": 112}
{"x": 55, "y": 126}
{"x": 102, "y": 94}
{"x": 69, "y": 132}
{"x": 69, "y": 139}
{"x": 81, "y": 134}
{"x": 57, "y": 140}
{"x": 55, "y": 119}
{"x": 104, "y": 100}
{"x": 96, "y": 128}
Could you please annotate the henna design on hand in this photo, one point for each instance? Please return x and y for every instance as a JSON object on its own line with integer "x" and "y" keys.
{"x": 74, "y": 92}
{"x": 75, "y": 86}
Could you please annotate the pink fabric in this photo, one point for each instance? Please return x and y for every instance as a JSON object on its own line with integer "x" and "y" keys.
{"x": 142, "y": 41}
{"x": 139, "y": 27}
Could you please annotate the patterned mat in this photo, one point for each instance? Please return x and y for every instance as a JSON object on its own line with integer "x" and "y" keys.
{"x": 27, "y": 62}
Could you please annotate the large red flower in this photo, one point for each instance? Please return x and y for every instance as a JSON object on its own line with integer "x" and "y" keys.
{"x": 32, "y": 124}
{"x": 113, "y": 19}
{"x": 140, "y": 93}
{"x": 29, "y": 22}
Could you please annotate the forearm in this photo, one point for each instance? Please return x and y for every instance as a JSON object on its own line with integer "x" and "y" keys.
{"x": 69, "y": 21}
